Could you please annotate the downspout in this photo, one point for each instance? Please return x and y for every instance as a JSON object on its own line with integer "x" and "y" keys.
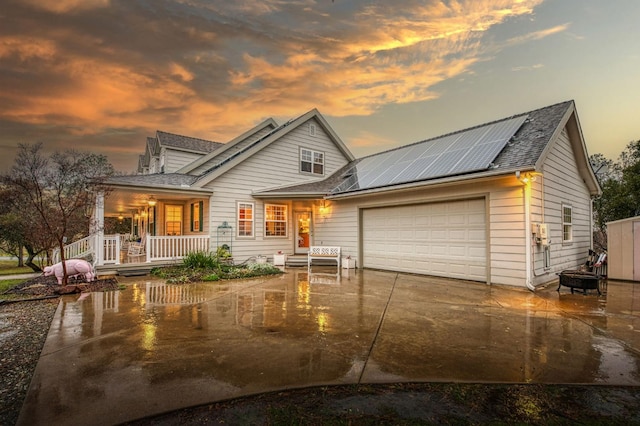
{"x": 526, "y": 194}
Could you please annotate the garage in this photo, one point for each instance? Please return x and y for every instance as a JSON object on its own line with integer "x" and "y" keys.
{"x": 445, "y": 239}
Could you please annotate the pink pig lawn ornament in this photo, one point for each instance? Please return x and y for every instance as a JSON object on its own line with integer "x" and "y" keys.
{"x": 74, "y": 267}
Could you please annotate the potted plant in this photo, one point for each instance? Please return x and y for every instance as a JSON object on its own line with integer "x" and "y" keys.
{"x": 279, "y": 258}
{"x": 348, "y": 262}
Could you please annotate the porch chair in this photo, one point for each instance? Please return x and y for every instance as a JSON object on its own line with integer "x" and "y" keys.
{"x": 136, "y": 249}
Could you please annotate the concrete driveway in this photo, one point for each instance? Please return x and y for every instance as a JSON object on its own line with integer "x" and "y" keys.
{"x": 118, "y": 356}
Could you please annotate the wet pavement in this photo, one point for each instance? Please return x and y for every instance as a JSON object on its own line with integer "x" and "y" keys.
{"x": 117, "y": 356}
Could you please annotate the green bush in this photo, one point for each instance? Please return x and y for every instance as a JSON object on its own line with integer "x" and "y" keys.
{"x": 200, "y": 260}
{"x": 211, "y": 277}
{"x": 192, "y": 270}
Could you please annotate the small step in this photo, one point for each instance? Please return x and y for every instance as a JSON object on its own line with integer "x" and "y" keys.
{"x": 296, "y": 260}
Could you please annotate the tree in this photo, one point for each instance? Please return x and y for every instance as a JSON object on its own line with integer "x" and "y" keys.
{"x": 620, "y": 183}
{"x": 55, "y": 194}
{"x": 20, "y": 231}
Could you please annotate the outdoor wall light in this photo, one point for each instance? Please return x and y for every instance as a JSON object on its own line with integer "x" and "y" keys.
{"x": 152, "y": 201}
{"x": 324, "y": 208}
{"x": 527, "y": 177}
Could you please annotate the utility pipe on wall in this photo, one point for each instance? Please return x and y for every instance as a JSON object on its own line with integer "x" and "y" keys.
{"x": 526, "y": 195}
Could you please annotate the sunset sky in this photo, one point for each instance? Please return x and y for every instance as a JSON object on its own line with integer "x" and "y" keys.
{"x": 101, "y": 75}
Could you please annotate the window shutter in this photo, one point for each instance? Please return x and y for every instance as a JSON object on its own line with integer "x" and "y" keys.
{"x": 200, "y": 211}
{"x": 191, "y": 218}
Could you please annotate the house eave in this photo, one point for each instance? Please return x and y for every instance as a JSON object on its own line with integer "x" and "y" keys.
{"x": 434, "y": 183}
{"x": 289, "y": 195}
{"x": 165, "y": 189}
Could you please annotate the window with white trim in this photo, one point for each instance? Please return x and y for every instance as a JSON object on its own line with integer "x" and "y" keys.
{"x": 245, "y": 219}
{"x": 567, "y": 224}
{"x": 311, "y": 161}
{"x": 275, "y": 220}
{"x": 173, "y": 220}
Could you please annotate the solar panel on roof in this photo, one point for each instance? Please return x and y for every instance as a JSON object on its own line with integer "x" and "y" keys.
{"x": 463, "y": 152}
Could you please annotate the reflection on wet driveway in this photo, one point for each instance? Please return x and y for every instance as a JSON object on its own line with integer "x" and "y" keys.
{"x": 117, "y": 356}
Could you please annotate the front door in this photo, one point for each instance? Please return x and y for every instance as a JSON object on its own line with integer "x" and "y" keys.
{"x": 303, "y": 232}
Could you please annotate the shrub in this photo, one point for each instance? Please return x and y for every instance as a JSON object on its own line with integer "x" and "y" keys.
{"x": 192, "y": 270}
{"x": 200, "y": 260}
{"x": 211, "y": 277}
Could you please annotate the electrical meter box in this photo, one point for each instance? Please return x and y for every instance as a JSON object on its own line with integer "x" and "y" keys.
{"x": 541, "y": 233}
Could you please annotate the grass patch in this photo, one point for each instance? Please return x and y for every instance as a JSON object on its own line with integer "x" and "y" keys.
{"x": 9, "y": 267}
{"x": 7, "y": 285}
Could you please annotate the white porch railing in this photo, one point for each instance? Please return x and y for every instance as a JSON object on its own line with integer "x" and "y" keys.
{"x": 175, "y": 247}
{"x": 76, "y": 249}
{"x": 111, "y": 249}
{"x": 156, "y": 248}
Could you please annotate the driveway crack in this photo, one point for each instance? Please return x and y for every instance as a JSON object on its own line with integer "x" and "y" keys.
{"x": 375, "y": 336}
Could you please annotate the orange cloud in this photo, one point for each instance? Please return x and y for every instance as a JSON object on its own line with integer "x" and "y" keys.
{"x": 386, "y": 54}
{"x": 65, "y": 6}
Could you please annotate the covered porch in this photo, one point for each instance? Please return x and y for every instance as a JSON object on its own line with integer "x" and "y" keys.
{"x": 146, "y": 220}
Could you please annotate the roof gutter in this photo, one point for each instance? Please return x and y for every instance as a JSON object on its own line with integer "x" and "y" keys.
{"x": 431, "y": 184}
{"x": 158, "y": 188}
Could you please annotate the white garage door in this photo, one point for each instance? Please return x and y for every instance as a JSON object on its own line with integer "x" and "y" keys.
{"x": 442, "y": 239}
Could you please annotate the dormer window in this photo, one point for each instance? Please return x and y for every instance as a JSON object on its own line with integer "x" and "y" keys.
{"x": 311, "y": 161}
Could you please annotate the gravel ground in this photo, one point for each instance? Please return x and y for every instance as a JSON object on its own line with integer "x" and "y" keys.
{"x": 24, "y": 325}
{"x": 23, "y": 330}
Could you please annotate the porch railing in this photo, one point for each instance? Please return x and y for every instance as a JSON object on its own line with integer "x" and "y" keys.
{"x": 111, "y": 249}
{"x": 76, "y": 249}
{"x": 156, "y": 248}
{"x": 175, "y": 247}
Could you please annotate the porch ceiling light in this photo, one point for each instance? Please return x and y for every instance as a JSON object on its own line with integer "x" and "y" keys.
{"x": 152, "y": 201}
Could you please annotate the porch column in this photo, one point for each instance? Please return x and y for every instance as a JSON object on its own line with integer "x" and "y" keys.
{"x": 98, "y": 229}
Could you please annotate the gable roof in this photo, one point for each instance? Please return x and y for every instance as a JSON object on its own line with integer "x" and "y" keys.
{"x": 229, "y": 161}
{"x": 230, "y": 148}
{"x": 186, "y": 143}
{"x": 153, "y": 146}
{"x": 501, "y": 147}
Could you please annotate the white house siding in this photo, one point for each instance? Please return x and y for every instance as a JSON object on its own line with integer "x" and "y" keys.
{"x": 505, "y": 256}
{"x": 176, "y": 159}
{"x": 563, "y": 184}
{"x": 507, "y": 233}
{"x": 275, "y": 165}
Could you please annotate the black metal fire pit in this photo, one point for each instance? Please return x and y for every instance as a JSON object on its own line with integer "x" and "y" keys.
{"x": 580, "y": 280}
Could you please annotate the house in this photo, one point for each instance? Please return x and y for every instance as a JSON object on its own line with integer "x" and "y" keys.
{"x": 506, "y": 202}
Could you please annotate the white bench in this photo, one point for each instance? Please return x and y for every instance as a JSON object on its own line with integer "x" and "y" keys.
{"x": 321, "y": 252}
